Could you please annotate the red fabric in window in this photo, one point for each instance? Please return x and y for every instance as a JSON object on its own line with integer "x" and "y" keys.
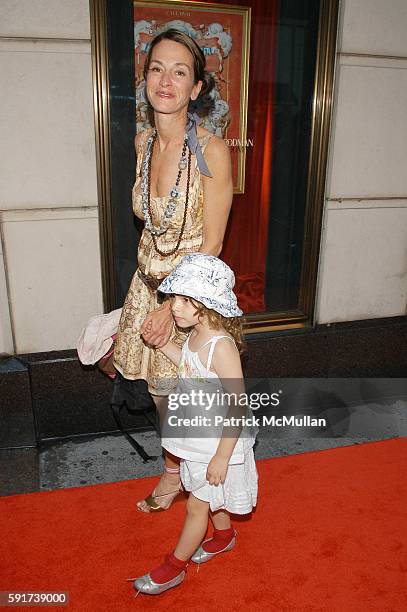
{"x": 245, "y": 245}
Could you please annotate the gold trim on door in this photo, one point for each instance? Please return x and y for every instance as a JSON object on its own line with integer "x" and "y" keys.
{"x": 100, "y": 74}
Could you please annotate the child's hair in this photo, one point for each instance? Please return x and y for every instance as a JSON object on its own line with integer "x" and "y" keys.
{"x": 233, "y": 325}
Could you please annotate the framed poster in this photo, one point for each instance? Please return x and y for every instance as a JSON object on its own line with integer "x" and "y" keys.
{"x": 223, "y": 33}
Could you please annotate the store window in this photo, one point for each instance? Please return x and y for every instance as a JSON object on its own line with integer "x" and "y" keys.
{"x": 278, "y": 134}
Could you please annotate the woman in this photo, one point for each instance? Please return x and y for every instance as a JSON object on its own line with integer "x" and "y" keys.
{"x": 184, "y": 200}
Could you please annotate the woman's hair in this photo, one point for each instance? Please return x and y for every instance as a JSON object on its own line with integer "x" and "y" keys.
{"x": 232, "y": 325}
{"x": 203, "y": 104}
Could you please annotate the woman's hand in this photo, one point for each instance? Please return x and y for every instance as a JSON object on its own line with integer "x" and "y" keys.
{"x": 217, "y": 468}
{"x": 157, "y": 326}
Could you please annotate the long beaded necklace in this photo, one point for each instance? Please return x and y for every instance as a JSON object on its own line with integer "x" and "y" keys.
{"x": 174, "y": 194}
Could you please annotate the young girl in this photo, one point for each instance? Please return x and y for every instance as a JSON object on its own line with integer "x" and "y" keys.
{"x": 220, "y": 472}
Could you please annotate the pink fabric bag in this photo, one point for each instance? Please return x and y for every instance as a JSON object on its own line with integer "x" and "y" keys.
{"x": 97, "y": 338}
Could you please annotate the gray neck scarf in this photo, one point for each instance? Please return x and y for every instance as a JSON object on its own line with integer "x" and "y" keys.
{"x": 193, "y": 142}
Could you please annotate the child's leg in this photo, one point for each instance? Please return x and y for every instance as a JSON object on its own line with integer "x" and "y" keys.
{"x": 223, "y": 532}
{"x": 220, "y": 519}
{"x": 195, "y": 526}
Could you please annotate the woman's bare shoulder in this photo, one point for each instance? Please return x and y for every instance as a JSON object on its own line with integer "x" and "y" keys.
{"x": 217, "y": 154}
{"x": 216, "y": 146}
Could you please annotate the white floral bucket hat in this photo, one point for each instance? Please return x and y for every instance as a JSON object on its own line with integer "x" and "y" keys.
{"x": 207, "y": 279}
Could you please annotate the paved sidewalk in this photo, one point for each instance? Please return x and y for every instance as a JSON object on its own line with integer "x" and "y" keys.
{"x": 91, "y": 460}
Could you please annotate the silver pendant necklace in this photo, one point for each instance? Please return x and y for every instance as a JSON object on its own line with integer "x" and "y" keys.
{"x": 174, "y": 193}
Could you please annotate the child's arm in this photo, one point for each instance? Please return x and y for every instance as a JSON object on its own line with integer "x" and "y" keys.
{"x": 172, "y": 351}
{"x": 227, "y": 365}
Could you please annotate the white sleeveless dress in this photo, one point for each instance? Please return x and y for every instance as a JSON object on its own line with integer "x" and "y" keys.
{"x": 238, "y": 494}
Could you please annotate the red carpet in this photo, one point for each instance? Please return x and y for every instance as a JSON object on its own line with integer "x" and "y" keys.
{"x": 329, "y": 534}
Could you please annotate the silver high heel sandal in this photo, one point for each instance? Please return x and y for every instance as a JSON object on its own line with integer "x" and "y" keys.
{"x": 202, "y": 556}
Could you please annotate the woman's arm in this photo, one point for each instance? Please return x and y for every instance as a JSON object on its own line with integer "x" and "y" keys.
{"x": 218, "y": 195}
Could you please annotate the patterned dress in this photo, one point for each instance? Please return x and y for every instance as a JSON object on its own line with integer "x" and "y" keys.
{"x": 132, "y": 358}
